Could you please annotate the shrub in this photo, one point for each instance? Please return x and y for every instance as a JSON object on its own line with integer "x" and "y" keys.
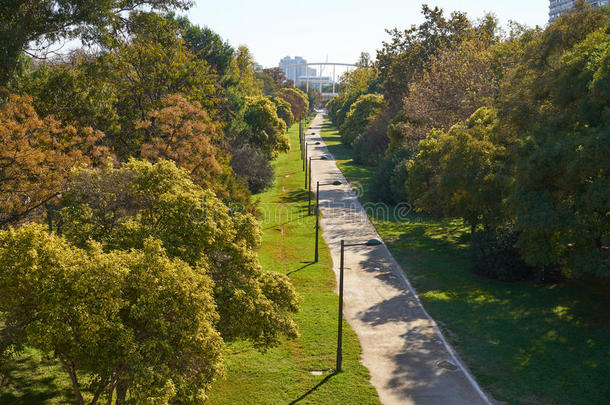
{"x": 388, "y": 182}
{"x": 493, "y": 254}
{"x": 251, "y": 163}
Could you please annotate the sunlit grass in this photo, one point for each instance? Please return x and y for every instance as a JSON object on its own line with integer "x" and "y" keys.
{"x": 525, "y": 343}
{"x": 283, "y": 375}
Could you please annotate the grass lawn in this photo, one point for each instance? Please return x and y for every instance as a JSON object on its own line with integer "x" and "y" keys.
{"x": 282, "y": 375}
{"x": 525, "y": 343}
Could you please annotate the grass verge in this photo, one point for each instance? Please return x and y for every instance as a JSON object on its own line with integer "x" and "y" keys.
{"x": 283, "y": 375}
{"x": 525, "y": 343}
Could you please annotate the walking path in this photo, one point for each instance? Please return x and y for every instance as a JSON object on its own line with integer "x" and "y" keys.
{"x": 409, "y": 359}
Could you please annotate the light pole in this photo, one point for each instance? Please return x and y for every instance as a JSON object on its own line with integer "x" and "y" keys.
{"x": 309, "y": 181}
{"x": 334, "y": 183}
{"x": 371, "y": 242}
{"x": 305, "y": 167}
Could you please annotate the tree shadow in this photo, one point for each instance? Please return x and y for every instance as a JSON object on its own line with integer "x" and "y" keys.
{"x": 313, "y": 389}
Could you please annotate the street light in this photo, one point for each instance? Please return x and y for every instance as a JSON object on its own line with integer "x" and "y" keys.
{"x": 334, "y": 183}
{"x": 371, "y": 242}
{"x": 308, "y": 186}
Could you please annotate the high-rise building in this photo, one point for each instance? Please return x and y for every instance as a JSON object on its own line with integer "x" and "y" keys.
{"x": 558, "y": 7}
{"x": 294, "y": 68}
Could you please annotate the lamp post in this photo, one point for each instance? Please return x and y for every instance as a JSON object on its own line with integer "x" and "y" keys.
{"x": 334, "y": 183}
{"x": 309, "y": 181}
{"x": 371, "y": 242}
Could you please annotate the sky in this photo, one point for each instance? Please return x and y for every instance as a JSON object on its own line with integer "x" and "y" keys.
{"x": 336, "y": 29}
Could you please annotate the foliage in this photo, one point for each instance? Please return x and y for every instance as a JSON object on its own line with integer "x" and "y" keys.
{"x": 133, "y": 321}
{"x": 274, "y": 79}
{"x": 265, "y": 129}
{"x": 360, "y": 114}
{"x": 122, "y": 208}
{"x": 298, "y": 101}
{"x": 283, "y": 110}
{"x": 458, "y": 81}
{"x": 185, "y": 133}
{"x": 153, "y": 64}
{"x": 493, "y": 254}
{"x": 388, "y": 182}
{"x": 46, "y": 22}
{"x": 251, "y": 163}
{"x": 559, "y": 106}
{"x": 402, "y": 58}
{"x": 462, "y": 173}
{"x": 36, "y": 155}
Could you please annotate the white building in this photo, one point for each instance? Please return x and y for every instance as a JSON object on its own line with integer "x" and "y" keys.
{"x": 558, "y": 7}
{"x": 296, "y": 68}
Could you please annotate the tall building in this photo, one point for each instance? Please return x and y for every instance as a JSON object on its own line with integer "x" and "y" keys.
{"x": 296, "y": 69}
{"x": 558, "y": 7}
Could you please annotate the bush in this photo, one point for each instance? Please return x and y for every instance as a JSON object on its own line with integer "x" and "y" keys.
{"x": 493, "y": 255}
{"x": 370, "y": 146}
{"x": 388, "y": 182}
{"x": 251, "y": 163}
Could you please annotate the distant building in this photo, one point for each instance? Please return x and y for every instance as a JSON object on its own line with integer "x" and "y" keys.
{"x": 558, "y": 7}
{"x": 296, "y": 69}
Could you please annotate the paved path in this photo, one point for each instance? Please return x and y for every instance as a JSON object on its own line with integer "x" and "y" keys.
{"x": 401, "y": 345}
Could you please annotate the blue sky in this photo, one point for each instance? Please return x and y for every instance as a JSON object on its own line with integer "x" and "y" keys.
{"x": 340, "y": 29}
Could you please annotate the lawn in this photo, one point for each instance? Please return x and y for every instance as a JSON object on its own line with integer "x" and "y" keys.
{"x": 283, "y": 375}
{"x": 299, "y": 371}
{"x": 525, "y": 343}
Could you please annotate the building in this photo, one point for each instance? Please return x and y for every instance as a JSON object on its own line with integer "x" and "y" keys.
{"x": 558, "y": 7}
{"x": 296, "y": 69}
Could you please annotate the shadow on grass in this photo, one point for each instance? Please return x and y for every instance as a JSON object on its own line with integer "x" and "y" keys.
{"x": 315, "y": 387}
{"x": 300, "y": 268}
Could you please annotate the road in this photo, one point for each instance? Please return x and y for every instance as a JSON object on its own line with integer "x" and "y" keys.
{"x": 409, "y": 359}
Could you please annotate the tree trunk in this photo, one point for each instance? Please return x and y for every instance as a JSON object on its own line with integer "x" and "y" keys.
{"x": 79, "y": 397}
{"x": 121, "y": 392}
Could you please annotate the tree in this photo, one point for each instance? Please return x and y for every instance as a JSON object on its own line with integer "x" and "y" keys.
{"x": 462, "y": 173}
{"x": 559, "y": 106}
{"x": 46, "y": 22}
{"x": 153, "y": 64}
{"x": 36, "y": 156}
{"x": 244, "y": 67}
{"x": 359, "y": 116}
{"x": 134, "y": 322}
{"x": 297, "y": 99}
{"x": 458, "y": 81}
{"x": 283, "y": 110}
{"x": 251, "y": 163}
{"x": 265, "y": 129}
{"x": 122, "y": 208}
{"x": 273, "y": 80}
{"x": 407, "y": 53}
{"x": 185, "y": 133}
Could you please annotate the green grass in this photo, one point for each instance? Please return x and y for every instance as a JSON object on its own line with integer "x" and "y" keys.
{"x": 283, "y": 375}
{"x": 525, "y": 343}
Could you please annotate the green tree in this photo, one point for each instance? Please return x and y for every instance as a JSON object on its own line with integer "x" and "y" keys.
{"x": 463, "y": 173}
{"x": 359, "y": 116}
{"x": 45, "y": 22}
{"x": 559, "y": 106}
{"x": 265, "y": 129}
{"x": 283, "y": 110}
{"x": 122, "y": 208}
{"x": 132, "y": 322}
